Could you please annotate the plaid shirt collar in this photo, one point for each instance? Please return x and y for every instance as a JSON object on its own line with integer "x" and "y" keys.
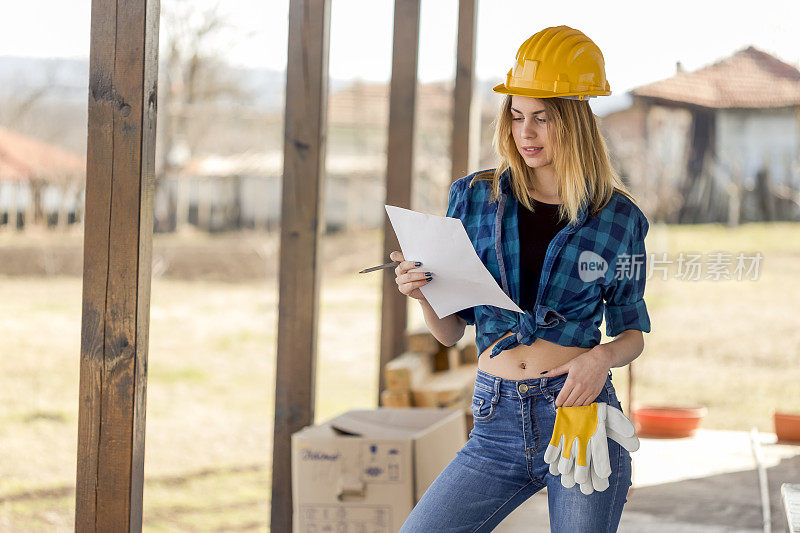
{"x": 505, "y": 190}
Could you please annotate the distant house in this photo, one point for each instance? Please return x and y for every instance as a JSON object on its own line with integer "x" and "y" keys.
{"x": 719, "y": 144}
{"x": 39, "y": 183}
{"x": 45, "y": 184}
{"x": 364, "y": 104}
{"x": 218, "y": 193}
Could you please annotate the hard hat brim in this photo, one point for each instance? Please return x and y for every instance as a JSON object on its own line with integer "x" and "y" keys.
{"x": 535, "y": 93}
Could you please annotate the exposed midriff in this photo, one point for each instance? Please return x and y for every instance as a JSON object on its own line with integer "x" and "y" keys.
{"x": 525, "y": 362}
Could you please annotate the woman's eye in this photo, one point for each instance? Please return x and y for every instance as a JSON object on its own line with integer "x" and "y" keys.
{"x": 539, "y": 120}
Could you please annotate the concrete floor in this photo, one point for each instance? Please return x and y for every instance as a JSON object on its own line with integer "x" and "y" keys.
{"x": 707, "y": 483}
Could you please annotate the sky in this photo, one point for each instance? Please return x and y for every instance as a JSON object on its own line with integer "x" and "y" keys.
{"x": 640, "y": 44}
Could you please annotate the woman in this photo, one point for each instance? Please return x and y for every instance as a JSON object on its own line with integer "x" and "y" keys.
{"x": 560, "y": 233}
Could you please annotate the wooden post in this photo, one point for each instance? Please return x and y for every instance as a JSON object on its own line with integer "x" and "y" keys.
{"x": 399, "y": 168}
{"x": 123, "y": 74}
{"x": 463, "y": 94}
{"x": 302, "y": 221}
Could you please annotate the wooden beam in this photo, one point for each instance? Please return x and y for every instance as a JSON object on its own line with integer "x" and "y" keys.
{"x": 118, "y": 230}
{"x": 302, "y": 222}
{"x": 399, "y": 168}
{"x": 464, "y": 125}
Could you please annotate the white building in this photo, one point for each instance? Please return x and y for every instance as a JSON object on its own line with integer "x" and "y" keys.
{"x": 718, "y": 144}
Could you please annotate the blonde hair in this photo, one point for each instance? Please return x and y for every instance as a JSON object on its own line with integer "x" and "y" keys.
{"x": 580, "y": 158}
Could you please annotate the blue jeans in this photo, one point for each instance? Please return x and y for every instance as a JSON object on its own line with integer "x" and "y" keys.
{"x": 502, "y": 465}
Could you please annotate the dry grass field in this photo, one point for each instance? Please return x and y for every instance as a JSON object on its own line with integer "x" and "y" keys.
{"x": 730, "y": 345}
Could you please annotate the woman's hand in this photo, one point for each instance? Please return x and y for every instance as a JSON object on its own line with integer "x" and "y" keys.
{"x": 586, "y": 377}
{"x": 409, "y": 282}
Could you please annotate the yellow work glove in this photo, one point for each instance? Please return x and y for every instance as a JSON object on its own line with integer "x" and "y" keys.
{"x": 578, "y": 448}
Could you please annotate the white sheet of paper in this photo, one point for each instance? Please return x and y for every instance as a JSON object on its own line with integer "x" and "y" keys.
{"x": 460, "y": 279}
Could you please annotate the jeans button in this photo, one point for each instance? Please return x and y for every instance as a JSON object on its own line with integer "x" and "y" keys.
{"x": 523, "y": 388}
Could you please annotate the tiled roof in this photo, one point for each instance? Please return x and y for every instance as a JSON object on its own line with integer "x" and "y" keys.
{"x": 24, "y": 158}
{"x": 749, "y": 78}
{"x": 364, "y": 103}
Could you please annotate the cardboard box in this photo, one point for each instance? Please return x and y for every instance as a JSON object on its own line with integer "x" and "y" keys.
{"x": 365, "y": 470}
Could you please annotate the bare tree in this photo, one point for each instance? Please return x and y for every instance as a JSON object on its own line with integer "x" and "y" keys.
{"x": 195, "y": 77}
{"x": 19, "y": 109}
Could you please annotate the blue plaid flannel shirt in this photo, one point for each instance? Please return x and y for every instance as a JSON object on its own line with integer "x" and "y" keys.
{"x": 568, "y": 310}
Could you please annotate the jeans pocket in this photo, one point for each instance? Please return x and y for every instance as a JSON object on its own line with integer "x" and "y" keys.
{"x": 483, "y": 408}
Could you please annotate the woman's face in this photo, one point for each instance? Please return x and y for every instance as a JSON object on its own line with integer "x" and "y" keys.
{"x": 529, "y": 127}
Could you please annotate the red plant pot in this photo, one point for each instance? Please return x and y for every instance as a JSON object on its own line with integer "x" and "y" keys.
{"x": 669, "y": 422}
{"x": 787, "y": 426}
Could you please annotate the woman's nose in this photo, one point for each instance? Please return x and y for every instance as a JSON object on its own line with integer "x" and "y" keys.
{"x": 529, "y": 130}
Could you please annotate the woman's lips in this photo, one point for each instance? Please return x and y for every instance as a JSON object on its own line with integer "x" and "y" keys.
{"x": 531, "y": 152}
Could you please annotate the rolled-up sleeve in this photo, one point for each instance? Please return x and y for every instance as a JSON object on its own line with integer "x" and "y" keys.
{"x": 624, "y": 295}
{"x": 455, "y": 209}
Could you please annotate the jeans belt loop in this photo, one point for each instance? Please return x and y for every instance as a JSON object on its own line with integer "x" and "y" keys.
{"x": 543, "y": 387}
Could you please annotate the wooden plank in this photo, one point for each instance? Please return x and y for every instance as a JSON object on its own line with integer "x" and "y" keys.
{"x": 395, "y": 398}
{"x": 117, "y": 261}
{"x": 149, "y": 112}
{"x": 408, "y": 370}
{"x": 468, "y": 349}
{"x": 453, "y": 357}
{"x": 302, "y": 222}
{"x": 441, "y": 359}
{"x": 444, "y": 389}
{"x": 421, "y": 340}
{"x": 399, "y": 167}
{"x": 465, "y": 115}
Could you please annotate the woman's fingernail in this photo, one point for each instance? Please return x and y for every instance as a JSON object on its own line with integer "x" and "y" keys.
{"x": 417, "y": 263}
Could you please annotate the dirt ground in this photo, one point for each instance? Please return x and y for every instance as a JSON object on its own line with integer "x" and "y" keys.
{"x": 191, "y": 255}
{"x": 730, "y": 345}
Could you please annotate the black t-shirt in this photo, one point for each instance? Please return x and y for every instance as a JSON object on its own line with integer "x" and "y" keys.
{"x": 536, "y": 230}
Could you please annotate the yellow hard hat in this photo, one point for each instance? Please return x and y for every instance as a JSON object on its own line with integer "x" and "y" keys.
{"x": 557, "y": 62}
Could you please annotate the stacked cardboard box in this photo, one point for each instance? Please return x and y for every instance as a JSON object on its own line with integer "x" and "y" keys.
{"x": 430, "y": 374}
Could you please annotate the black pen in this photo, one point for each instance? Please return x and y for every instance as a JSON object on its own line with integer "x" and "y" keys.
{"x": 379, "y": 267}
